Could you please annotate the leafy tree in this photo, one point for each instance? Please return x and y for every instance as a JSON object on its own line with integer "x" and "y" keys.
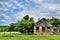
{"x": 26, "y": 17}
{"x": 3, "y": 28}
{"x": 12, "y": 26}
{"x": 55, "y": 22}
{"x": 25, "y": 25}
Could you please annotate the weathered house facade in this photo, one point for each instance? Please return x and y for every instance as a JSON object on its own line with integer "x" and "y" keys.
{"x": 44, "y": 28}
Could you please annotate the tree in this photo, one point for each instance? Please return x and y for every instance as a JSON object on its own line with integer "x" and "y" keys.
{"x": 3, "y": 28}
{"x": 25, "y": 25}
{"x": 55, "y": 22}
{"x": 26, "y": 17}
{"x": 12, "y": 26}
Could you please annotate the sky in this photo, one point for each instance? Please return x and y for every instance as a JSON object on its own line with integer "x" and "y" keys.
{"x": 13, "y": 10}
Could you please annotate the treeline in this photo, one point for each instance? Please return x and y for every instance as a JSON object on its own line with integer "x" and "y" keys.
{"x": 4, "y": 28}
{"x": 55, "y": 22}
{"x": 26, "y": 24}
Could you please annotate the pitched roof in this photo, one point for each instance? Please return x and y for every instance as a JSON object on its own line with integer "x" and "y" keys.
{"x": 43, "y": 22}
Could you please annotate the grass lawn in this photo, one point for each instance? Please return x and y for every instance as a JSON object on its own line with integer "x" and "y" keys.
{"x": 16, "y": 36}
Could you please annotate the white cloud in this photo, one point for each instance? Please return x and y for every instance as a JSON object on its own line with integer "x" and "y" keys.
{"x": 38, "y": 9}
{"x": 51, "y": 7}
{"x": 3, "y": 21}
{"x": 4, "y": 9}
{"x": 36, "y": 12}
{"x": 4, "y": 17}
{"x": 18, "y": 4}
{"x": 1, "y": 8}
{"x": 38, "y": 1}
{"x": 54, "y": 7}
{"x": 8, "y": 4}
{"x": 32, "y": 13}
{"x": 58, "y": 13}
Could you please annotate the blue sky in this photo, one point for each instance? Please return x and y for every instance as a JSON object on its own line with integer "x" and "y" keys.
{"x": 13, "y": 10}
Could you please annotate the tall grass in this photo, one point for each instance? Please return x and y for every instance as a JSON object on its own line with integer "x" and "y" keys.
{"x": 17, "y": 36}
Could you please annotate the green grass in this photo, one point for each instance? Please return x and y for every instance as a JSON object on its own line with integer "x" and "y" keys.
{"x": 15, "y": 36}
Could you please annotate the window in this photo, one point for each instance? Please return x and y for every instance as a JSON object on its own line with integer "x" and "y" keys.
{"x": 48, "y": 27}
{"x": 37, "y": 29}
{"x": 55, "y": 29}
{"x": 43, "y": 28}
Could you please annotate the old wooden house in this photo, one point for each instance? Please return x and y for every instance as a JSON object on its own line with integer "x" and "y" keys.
{"x": 44, "y": 28}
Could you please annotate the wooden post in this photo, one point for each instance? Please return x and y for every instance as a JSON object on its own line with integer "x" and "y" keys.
{"x": 58, "y": 31}
{"x": 51, "y": 30}
{"x": 40, "y": 29}
{"x": 46, "y": 30}
{"x": 34, "y": 30}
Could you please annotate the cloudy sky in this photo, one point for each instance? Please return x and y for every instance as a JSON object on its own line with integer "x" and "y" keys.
{"x": 13, "y": 10}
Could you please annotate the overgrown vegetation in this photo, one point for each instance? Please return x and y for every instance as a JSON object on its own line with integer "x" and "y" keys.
{"x": 55, "y": 22}
{"x": 4, "y": 28}
{"x": 26, "y": 25}
{"x": 14, "y": 36}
